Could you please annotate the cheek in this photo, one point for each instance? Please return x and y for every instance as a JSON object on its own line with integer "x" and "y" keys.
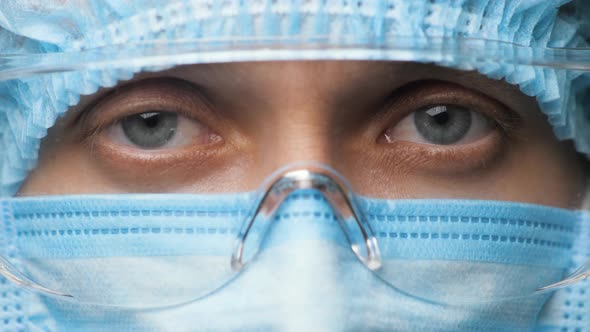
{"x": 78, "y": 169}
{"x": 546, "y": 173}
{"x": 63, "y": 171}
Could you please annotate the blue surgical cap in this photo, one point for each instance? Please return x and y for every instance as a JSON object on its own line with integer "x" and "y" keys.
{"x": 54, "y": 51}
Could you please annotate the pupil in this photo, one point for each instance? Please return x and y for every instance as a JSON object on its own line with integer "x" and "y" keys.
{"x": 151, "y": 129}
{"x": 441, "y": 118}
{"x": 151, "y": 120}
{"x": 443, "y": 124}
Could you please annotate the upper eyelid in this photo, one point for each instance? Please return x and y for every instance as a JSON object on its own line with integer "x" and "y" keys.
{"x": 508, "y": 120}
{"x": 201, "y": 108}
{"x": 409, "y": 98}
{"x": 500, "y": 90}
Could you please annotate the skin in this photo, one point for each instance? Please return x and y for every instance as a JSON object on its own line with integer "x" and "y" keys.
{"x": 242, "y": 121}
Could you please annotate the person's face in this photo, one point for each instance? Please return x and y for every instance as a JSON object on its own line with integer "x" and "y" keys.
{"x": 395, "y": 130}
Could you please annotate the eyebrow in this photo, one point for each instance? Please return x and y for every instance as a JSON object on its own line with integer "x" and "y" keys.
{"x": 504, "y": 92}
{"x": 500, "y": 86}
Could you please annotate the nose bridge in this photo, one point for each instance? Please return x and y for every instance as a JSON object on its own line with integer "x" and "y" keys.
{"x": 297, "y": 187}
{"x": 298, "y": 128}
{"x": 305, "y": 239}
{"x": 338, "y": 220}
{"x": 289, "y": 218}
{"x": 296, "y": 137}
{"x": 304, "y": 215}
{"x": 306, "y": 264}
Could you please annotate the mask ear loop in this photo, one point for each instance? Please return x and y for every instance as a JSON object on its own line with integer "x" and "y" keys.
{"x": 334, "y": 189}
{"x": 12, "y": 274}
{"x": 9, "y": 272}
{"x": 581, "y": 274}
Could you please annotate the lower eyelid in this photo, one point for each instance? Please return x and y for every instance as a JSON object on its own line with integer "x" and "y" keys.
{"x": 134, "y": 170}
{"x": 125, "y": 158}
{"x": 436, "y": 159}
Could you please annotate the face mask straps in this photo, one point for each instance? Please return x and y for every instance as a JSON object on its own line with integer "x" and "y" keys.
{"x": 12, "y": 274}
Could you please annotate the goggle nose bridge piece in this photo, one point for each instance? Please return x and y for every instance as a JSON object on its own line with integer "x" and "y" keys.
{"x": 337, "y": 193}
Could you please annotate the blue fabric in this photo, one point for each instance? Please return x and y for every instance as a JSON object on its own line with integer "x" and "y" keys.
{"x": 326, "y": 278}
{"x": 472, "y": 225}
{"x": 569, "y": 310}
{"x": 304, "y": 278}
{"x": 28, "y": 106}
{"x": 13, "y": 316}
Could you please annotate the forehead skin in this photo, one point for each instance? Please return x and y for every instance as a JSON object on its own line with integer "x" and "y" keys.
{"x": 282, "y": 112}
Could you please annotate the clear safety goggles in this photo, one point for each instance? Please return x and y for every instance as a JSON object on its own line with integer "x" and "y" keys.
{"x": 245, "y": 232}
{"x": 421, "y": 161}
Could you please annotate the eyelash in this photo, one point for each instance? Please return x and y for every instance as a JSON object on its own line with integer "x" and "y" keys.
{"x": 97, "y": 118}
{"x": 436, "y": 93}
{"x": 440, "y": 159}
{"x": 401, "y": 104}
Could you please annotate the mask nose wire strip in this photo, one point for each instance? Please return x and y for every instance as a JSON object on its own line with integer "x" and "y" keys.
{"x": 338, "y": 195}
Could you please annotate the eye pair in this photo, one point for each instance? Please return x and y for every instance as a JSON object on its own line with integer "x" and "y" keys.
{"x": 438, "y": 125}
{"x": 169, "y": 118}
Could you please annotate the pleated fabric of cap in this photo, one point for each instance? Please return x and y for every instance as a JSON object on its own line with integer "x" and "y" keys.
{"x": 30, "y": 105}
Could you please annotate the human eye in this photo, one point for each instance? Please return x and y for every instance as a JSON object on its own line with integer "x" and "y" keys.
{"x": 150, "y": 118}
{"x": 442, "y": 124}
{"x": 156, "y": 134}
{"x": 159, "y": 129}
{"x": 449, "y": 127}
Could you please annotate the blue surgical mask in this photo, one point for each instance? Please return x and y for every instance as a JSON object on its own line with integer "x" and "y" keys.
{"x": 104, "y": 42}
{"x": 305, "y": 276}
{"x": 209, "y": 262}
